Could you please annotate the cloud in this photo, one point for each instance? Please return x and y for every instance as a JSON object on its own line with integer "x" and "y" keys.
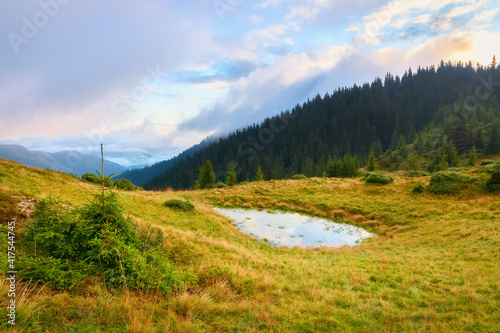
{"x": 90, "y": 51}
{"x": 302, "y": 13}
{"x": 83, "y": 77}
{"x": 267, "y": 91}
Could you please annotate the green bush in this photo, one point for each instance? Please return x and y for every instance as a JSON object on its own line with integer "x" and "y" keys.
{"x": 417, "y": 174}
{"x": 91, "y": 178}
{"x": 63, "y": 246}
{"x": 220, "y": 185}
{"x": 179, "y": 204}
{"x": 301, "y": 176}
{"x": 448, "y": 182}
{"x": 493, "y": 184}
{"x": 486, "y": 162}
{"x": 377, "y": 177}
{"x": 125, "y": 184}
{"x": 490, "y": 167}
{"x": 419, "y": 188}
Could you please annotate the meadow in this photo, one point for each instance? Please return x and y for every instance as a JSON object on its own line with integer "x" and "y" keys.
{"x": 433, "y": 266}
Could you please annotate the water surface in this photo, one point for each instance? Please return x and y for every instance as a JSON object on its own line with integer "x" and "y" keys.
{"x": 293, "y": 229}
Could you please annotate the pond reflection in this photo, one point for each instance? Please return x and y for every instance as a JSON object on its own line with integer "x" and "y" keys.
{"x": 293, "y": 229}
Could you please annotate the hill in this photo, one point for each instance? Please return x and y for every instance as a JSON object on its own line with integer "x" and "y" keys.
{"x": 145, "y": 174}
{"x": 433, "y": 265}
{"x": 68, "y": 161}
{"x": 424, "y": 109}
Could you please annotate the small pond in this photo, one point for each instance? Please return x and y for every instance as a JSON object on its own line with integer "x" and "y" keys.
{"x": 293, "y": 229}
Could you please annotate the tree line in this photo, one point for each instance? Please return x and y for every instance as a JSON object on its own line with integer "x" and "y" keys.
{"x": 408, "y": 122}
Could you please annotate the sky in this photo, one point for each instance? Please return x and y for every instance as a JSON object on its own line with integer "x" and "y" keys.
{"x": 151, "y": 78}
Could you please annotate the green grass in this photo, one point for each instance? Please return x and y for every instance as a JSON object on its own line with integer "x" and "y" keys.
{"x": 433, "y": 266}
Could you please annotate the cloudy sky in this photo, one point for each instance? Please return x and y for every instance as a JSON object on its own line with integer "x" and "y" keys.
{"x": 150, "y": 78}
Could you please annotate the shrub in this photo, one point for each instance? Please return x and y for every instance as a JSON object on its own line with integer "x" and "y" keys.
{"x": 377, "y": 177}
{"x": 179, "y": 204}
{"x": 490, "y": 167}
{"x": 486, "y": 162}
{"x": 419, "y": 188}
{"x": 125, "y": 184}
{"x": 493, "y": 184}
{"x": 417, "y": 174}
{"x": 63, "y": 246}
{"x": 91, "y": 178}
{"x": 448, "y": 182}
{"x": 220, "y": 185}
{"x": 301, "y": 176}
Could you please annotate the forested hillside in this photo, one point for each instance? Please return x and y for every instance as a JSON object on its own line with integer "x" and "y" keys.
{"x": 423, "y": 115}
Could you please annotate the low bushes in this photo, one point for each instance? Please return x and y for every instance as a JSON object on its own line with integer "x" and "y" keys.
{"x": 123, "y": 184}
{"x": 220, "y": 185}
{"x": 490, "y": 167}
{"x": 449, "y": 182}
{"x": 377, "y": 177}
{"x": 493, "y": 184}
{"x": 301, "y": 176}
{"x": 419, "y": 188}
{"x": 179, "y": 204}
{"x": 64, "y": 246}
{"x": 417, "y": 174}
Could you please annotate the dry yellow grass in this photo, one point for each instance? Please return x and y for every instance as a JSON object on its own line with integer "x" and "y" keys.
{"x": 433, "y": 266}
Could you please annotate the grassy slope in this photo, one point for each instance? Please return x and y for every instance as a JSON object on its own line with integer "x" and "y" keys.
{"x": 434, "y": 265}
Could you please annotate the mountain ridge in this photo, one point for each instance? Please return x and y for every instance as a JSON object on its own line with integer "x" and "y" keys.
{"x": 71, "y": 162}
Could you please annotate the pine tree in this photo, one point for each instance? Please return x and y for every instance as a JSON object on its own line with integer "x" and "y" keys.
{"x": 451, "y": 152}
{"x": 372, "y": 164}
{"x": 206, "y": 177}
{"x": 471, "y": 161}
{"x": 480, "y": 141}
{"x": 259, "y": 176}
{"x": 494, "y": 62}
{"x": 386, "y": 159}
{"x": 412, "y": 163}
{"x": 494, "y": 143}
{"x": 231, "y": 175}
{"x": 443, "y": 164}
{"x": 402, "y": 148}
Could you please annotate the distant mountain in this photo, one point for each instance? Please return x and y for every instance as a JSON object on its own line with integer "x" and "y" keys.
{"x": 144, "y": 175}
{"x": 67, "y": 161}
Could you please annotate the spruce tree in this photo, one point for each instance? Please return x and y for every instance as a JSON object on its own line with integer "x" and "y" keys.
{"x": 480, "y": 141}
{"x": 494, "y": 142}
{"x": 206, "y": 177}
{"x": 412, "y": 163}
{"x": 259, "y": 176}
{"x": 471, "y": 161}
{"x": 451, "y": 152}
{"x": 402, "y": 148}
{"x": 443, "y": 164}
{"x": 372, "y": 164}
{"x": 231, "y": 175}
